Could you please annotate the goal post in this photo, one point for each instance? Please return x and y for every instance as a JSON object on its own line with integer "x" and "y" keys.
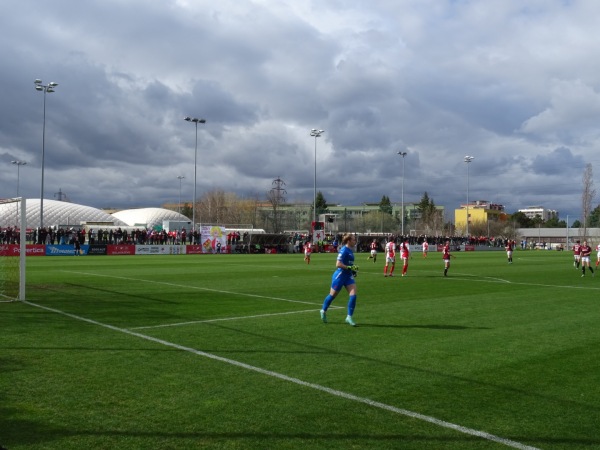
{"x": 13, "y": 249}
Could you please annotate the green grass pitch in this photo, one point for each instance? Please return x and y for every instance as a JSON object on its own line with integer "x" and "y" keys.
{"x": 229, "y": 352}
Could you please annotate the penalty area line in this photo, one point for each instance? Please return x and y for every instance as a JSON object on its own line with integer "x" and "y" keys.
{"x": 334, "y": 392}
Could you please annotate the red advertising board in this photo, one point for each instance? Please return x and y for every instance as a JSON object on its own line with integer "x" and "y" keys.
{"x": 193, "y": 249}
{"x": 121, "y": 249}
{"x": 15, "y": 250}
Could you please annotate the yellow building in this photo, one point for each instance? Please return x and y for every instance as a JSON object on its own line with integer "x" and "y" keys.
{"x": 480, "y": 212}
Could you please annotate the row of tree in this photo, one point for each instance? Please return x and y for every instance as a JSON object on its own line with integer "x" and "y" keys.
{"x": 218, "y": 206}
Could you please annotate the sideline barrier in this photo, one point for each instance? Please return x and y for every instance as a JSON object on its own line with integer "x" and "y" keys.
{"x": 106, "y": 249}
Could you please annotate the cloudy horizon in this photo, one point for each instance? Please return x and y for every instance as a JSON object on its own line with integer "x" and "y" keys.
{"x": 513, "y": 84}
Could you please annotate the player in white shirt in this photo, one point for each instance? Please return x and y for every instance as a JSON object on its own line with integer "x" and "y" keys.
{"x": 597, "y": 254}
{"x": 425, "y": 248}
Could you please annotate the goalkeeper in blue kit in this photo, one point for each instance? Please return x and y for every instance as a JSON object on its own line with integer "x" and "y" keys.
{"x": 343, "y": 276}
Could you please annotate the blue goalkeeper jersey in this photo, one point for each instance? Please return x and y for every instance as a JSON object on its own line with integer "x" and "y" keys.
{"x": 346, "y": 257}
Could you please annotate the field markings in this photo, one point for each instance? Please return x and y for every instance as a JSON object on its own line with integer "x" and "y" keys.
{"x": 335, "y": 392}
{"x": 186, "y": 286}
{"x": 193, "y": 322}
{"x": 176, "y": 324}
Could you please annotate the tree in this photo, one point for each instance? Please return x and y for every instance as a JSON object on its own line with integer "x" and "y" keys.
{"x": 321, "y": 204}
{"x": 186, "y": 210}
{"x": 385, "y": 205}
{"x": 594, "y": 218}
{"x": 587, "y": 196}
{"x": 521, "y": 219}
{"x": 430, "y": 215}
{"x": 553, "y": 222}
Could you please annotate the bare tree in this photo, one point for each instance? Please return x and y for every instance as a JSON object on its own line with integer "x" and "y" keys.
{"x": 587, "y": 196}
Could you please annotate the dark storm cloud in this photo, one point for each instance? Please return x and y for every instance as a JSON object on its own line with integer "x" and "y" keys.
{"x": 438, "y": 79}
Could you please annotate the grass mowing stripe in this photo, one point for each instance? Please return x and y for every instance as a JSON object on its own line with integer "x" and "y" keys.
{"x": 218, "y": 291}
{"x": 345, "y": 395}
{"x": 228, "y": 318}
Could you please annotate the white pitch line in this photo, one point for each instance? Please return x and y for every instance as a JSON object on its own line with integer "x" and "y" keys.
{"x": 198, "y": 288}
{"x": 193, "y": 322}
{"x": 335, "y": 392}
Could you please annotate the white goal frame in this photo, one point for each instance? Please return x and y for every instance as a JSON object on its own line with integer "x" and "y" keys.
{"x": 22, "y": 246}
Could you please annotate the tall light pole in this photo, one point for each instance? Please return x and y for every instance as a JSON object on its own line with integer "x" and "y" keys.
{"x": 18, "y": 164}
{"x": 180, "y": 177}
{"x": 468, "y": 159}
{"x": 45, "y": 88}
{"x": 403, "y": 154}
{"x": 316, "y": 134}
{"x": 196, "y": 121}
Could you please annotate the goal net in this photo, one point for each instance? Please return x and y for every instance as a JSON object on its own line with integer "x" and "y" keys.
{"x": 13, "y": 228}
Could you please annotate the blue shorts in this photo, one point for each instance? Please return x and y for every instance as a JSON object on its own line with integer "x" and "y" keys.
{"x": 341, "y": 278}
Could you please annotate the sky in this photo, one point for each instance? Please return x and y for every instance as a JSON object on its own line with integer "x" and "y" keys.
{"x": 513, "y": 83}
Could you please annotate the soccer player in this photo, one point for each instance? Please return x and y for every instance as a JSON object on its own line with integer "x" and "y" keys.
{"x": 373, "y": 247}
{"x": 425, "y": 248}
{"x": 597, "y": 254}
{"x": 577, "y": 254}
{"x": 586, "y": 250}
{"x": 509, "y": 250}
{"x": 390, "y": 257}
{"x": 343, "y": 277}
{"x": 307, "y": 251}
{"x": 404, "y": 254}
{"x": 446, "y": 257}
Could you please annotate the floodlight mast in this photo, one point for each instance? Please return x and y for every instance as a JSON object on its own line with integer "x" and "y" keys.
{"x": 403, "y": 154}
{"x": 468, "y": 160}
{"x": 195, "y": 121}
{"x": 316, "y": 134}
{"x": 45, "y": 88}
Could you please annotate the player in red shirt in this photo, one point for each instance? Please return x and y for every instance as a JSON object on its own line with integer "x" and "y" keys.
{"x": 390, "y": 257}
{"x": 585, "y": 252}
{"x": 404, "y": 254}
{"x": 446, "y": 257}
{"x": 307, "y": 251}
{"x": 576, "y": 254}
{"x": 374, "y": 245}
{"x": 509, "y": 250}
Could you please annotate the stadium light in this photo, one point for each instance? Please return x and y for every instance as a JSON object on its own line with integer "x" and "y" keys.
{"x": 403, "y": 154}
{"x": 196, "y": 121}
{"x": 45, "y": 88}
{"x": 468, "y": 159}
{"x": 316, "y": 134}
{"x": 18, "y": 164}
{"x": 180, "y": 177}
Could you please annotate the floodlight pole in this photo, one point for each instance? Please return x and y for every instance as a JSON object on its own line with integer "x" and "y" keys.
{"x": 18, "y": 164}
{"x": 468, "y": 160}
{"x": 196, "y": 121}
{"x": 45, "y": 88}
{"x": 316, "y": 134}
{"x": 180, "y": 177}
{"x": 403, "y": 154}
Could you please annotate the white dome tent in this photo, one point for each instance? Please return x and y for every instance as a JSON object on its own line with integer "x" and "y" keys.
{"x": 56, "y": 213}
{"x": 149, "y": 218}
